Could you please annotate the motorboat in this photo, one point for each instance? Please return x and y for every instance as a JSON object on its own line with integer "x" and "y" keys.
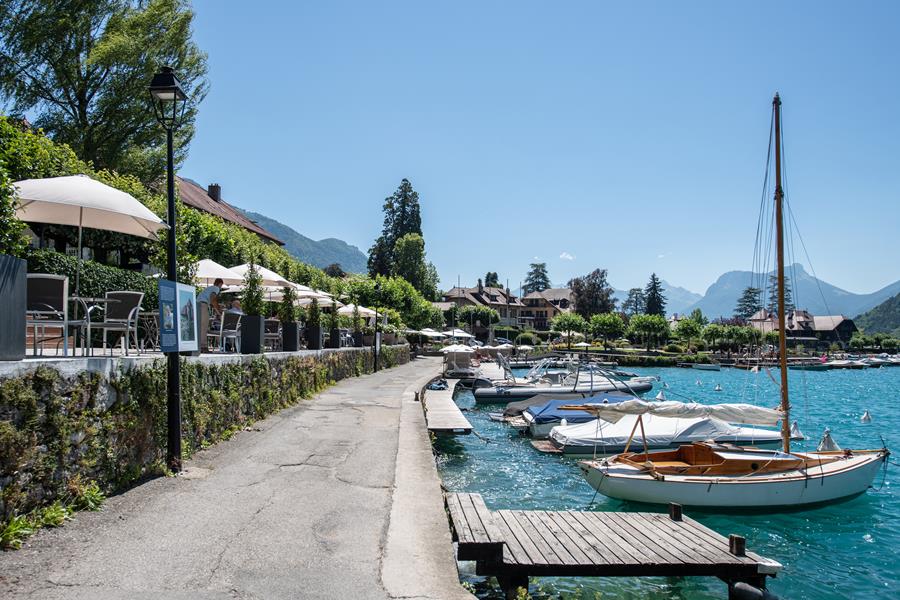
{"x": 576, "y": 386}
{"x": 707, "y": 367}
{"x": 541, "y": 419}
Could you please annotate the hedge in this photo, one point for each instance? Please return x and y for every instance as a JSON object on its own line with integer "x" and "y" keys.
{"x": 96, "y": 279}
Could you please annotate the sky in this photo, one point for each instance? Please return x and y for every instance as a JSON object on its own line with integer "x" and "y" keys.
{"x": 625, "y": 136}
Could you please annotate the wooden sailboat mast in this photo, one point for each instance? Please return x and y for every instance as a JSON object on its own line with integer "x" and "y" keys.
{"x": 779, "y": 242}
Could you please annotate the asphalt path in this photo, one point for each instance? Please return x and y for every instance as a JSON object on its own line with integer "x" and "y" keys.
{"x": 313, "y": 502}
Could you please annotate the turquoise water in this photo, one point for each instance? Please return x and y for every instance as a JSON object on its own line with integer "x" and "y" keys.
{"x": 847, "y": 550}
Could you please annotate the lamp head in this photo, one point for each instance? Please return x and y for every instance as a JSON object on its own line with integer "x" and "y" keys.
{"x": 168, "y": 98}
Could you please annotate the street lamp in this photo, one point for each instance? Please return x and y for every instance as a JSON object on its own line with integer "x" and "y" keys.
{"x": 169, "y": 102}
{"x": 375, "y": 336}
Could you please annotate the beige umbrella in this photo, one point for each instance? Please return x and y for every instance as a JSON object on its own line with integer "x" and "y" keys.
{"x": 269, "y": 278}
{"x": 363, "y": 311}
{"x": 80, "y": 201}
{"x": 207, "y": 271}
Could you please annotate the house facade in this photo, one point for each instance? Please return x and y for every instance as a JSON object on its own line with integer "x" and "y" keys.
{"x": 801, "y": 327}
{"x": 540, "y": 307}
{"x": 502, "y": 300}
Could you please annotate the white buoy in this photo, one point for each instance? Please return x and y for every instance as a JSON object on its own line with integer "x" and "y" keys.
{"x": 563, "y": 422}
{"x": 828, "y": 444}
{"x": 718, "y": 388}
{"x": 699, "y": 382}
{"x": 665, "y": 385}
{"x": 795, "y": 431}
{"x": 661, "y": 395}
{"x": 866, "y": 418}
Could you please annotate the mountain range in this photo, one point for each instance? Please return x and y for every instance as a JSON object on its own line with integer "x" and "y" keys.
{"x": 678, "y": 299}
{"x": 884, "y": 318}
{"x": 817, "y": 296}
{"x": 319, "y": 253}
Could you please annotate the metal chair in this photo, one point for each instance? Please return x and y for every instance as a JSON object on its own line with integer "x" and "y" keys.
{"x": 272, "y": 334}
{"x": 122, "y": 316}
{"x": 47, "y": 306}
{"x": 230, "y": 329}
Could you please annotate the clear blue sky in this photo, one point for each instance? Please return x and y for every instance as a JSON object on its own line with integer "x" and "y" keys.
{"x": 587, "y": 134}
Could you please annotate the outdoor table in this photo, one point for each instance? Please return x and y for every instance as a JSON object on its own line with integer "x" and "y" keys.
{"x": 90, "y": 303}
{"x": 150, "y": 321}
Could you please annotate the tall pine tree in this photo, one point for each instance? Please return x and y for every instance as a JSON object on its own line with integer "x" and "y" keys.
{"x": 773, "y": 295}
{"x": 491, "y": 279}
{"x": 635, "y": 303}
{"x": 537, "y": 279}
{"x": 749, "y": 303}
{"x": 401, "y": 217}
{"x": 655, "y": 303}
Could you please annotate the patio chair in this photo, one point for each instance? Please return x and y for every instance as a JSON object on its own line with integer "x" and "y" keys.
{"x": 122, "y": 315}
{"x": 273, "y": 334}
{"x": 47, "y": 307}
{"x": 230, "y": 329}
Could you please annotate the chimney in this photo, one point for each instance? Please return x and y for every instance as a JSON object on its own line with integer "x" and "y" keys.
{"x": 480, "y": 287}
{"x": 215, "y": 191}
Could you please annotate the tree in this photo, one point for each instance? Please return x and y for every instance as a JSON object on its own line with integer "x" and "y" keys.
{"x": 655, "y": 300}
{"x": 649, "y": 328}
{"x": 773, "y": 295}
{"x": 607, "y": 325}
{"x": 491, "y": 279}
{"x": 592, "y": 294}
{"x": 83, "y": 69}
{"x": 697, "y": 316}
{"x": 712, "y": 333}
{"x": 537, "y": 279}
{"x": 12, "y": 231}
{"x": 401, "y": 216}
{"x": 635, "y": 303}
{"x": 568, "y": 323}
{"x": 688, "y": 330}
{"x": 335, "y": 270}
{"x": 410, "y": 264}
{"x": 473, "y": 315}
{"x": 749, "y": 303}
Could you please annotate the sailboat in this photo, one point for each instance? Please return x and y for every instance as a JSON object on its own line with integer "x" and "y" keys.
{"x": 726, "y": 476}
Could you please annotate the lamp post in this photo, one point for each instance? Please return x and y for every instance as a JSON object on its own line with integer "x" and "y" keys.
{"x": 375, "y": 333}
{"x": 169, "y": 102}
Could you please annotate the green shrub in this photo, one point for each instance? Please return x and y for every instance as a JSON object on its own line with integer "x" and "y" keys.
{"x": 252, "y": 300}
{"x": 287, "y": 312}
{"x": 313, "y": 314}
{"x": 54, "y": 515}
{"x": 85, "y": 496}
{"x": 527, "y": 338}
{"x": 674, "y": 348}
{"x": 15, "y": 531}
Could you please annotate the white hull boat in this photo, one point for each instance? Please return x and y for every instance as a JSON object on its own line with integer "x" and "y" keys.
{"x": 844, "y": 476}
{"x": 707, "y": 367}
{"x": 496, "y": 395}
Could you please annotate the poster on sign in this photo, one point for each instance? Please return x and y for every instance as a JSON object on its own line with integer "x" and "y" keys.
{"x": 177, "y": 317}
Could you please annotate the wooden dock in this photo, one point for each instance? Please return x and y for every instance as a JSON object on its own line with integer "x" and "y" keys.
{"x": 442, "y": 415}
{"x": 516, "y": 544}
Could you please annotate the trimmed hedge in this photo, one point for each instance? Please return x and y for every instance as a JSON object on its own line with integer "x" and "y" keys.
{"x": 96, "y": 279}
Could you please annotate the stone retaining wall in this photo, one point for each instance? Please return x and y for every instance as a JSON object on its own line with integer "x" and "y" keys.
{"x": 104, "y": 419}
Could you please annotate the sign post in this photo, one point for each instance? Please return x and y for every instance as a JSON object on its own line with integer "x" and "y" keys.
{"x": 177, "y": 317}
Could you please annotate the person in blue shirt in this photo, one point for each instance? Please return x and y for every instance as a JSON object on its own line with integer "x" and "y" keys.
{"x": 208, "y": 297}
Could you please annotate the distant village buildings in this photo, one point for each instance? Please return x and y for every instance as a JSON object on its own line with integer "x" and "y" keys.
{"x": 534, "y": 311}
{"x": 801, "y": 327}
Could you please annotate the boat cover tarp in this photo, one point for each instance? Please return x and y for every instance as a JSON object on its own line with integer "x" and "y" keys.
{"x": 514, "y": 409}
{"x": 660, "y": 432}
{"x": 731, "y": 413}
{"x": 550, "y": 413}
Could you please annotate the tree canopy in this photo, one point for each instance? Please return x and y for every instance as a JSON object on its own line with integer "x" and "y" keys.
{"x": 772, "y": 306}
{"x": 592, "y": 294}
{"x": 83, "y": 68}
{"x": 608, "y": 325}
{"x": 473, "y": 315}
{"x": 655, "y": 303}
{"x": 491, "y": 279}
{"x": 649, "y": 328}
{"x": 749, "y": 303}
{"x": 537, "y": 279}
{"x": 410, "y": 264}
{"x": 635, "y": 303}
{"x": 401, "y": 216}
{"x": 568, "y": 323}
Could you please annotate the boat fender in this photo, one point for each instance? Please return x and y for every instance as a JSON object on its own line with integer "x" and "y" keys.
{"x": 744, "y": 591}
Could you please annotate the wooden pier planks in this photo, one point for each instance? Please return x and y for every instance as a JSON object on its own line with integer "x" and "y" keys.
{"x": 442, "y": 415}
{"x": 574, "y": 543}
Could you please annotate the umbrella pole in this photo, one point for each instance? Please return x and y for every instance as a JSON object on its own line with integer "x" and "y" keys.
{"x": 78, "y": 266}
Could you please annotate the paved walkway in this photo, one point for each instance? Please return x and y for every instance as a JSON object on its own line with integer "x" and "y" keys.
{"x": 316, "y": 503}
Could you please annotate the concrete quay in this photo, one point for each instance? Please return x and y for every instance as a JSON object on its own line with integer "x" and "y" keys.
{"x": 337, "y": 497}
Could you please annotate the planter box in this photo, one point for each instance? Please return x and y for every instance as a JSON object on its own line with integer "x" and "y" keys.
{"x": 314, "y": 337}
{"x": 390, "y": 338}
{"x": 369, "y": 340}
{"x": 357, "y": 340}
{"x": 12, "y": 299}
{"x": 290, "y": 336}
{"x": 253, "y": 329}
{"x": 334, "y": 338}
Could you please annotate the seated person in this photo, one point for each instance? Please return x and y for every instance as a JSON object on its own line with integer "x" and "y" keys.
{"x": 235, "y": 307}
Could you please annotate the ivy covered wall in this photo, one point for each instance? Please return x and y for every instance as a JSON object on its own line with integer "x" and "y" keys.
{"x": 57, "y": 428}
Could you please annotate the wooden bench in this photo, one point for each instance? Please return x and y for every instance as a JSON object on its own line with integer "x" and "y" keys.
{"x": 474, "y": 530}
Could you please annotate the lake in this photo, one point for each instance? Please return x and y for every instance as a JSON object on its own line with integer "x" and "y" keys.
{"x": 839, "y": 551}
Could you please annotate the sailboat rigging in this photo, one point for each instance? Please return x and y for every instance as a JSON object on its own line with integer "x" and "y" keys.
{"x": 727, "y": 476}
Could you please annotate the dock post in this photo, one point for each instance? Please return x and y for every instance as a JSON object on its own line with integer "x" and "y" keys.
{"x": 674, "y": 511}
{"x": 510, "y": 584}
{"x": 737, "y": 545}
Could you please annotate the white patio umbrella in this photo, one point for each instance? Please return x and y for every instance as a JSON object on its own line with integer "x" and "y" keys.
{"x": 80, "y": 201}
{"x": 458, "y": 333}
{"x": 269, "y": 278}
{"x": 431, "y": 333}
{"x": 582, "y": 345}
{"x": 457, "y": 348}
{"x": 209, "y": 270}
{"x": 526, "y": 347}
{"x": 363, "y": 311}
